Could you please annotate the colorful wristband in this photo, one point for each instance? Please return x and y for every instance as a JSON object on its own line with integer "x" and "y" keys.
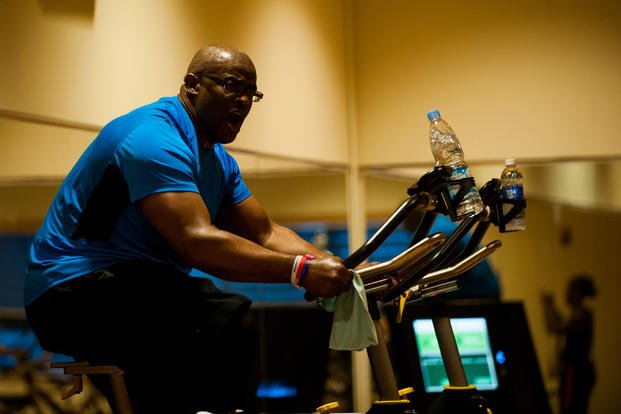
{"x": 294, "y": 269}
{"x": 299, "y": 269}
{"x": 304, "y": 269}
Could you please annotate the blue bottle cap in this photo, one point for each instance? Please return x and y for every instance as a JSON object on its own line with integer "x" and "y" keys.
{"x": 432, "y": 115}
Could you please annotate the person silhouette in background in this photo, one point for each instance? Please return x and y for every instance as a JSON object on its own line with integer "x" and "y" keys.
{"x": 577, "y": 372}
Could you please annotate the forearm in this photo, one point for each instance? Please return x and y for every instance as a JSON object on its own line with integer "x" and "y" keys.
{"x": 230, "y": 257}
{"x": 284, "y": 240}
{"x": 234, "y": 258}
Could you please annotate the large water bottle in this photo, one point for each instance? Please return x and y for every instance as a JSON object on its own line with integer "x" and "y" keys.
{"x": 512, "y": 188}
{"x": 447, "y": 151}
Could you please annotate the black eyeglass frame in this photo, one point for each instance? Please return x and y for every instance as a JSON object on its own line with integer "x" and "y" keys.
{"x": 234, "y": 88}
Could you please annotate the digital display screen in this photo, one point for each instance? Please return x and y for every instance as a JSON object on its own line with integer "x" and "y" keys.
{"x": 473, "y": 343}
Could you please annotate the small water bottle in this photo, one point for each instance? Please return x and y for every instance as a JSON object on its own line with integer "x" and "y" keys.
{"x": 447, "y": 151}
{"x": 512, "y": 188}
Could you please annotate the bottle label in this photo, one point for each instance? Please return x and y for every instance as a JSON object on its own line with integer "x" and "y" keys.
{"x": 512, "y": 192}
{"x": 460, "y": 172}
{"x": 457, "y": 174}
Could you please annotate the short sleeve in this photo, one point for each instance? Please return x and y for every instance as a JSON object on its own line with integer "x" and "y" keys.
{"x": 236, "y": 189}
{"x": 154, "y": 159}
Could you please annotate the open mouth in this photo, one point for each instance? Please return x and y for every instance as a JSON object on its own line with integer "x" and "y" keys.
{"x": 234, "y": 120}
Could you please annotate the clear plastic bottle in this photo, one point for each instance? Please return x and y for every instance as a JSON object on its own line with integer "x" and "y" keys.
{"x": 512, "y": 188}
{"x": 447, "y": 151}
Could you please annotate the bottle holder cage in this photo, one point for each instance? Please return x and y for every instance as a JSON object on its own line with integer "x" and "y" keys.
{"x": 500, "y": 218}
{"x": 490, "y": 193}
{"x": 437, "y": 182}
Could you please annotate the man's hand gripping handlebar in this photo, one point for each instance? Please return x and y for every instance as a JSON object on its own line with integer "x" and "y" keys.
{"x": 327, "y": 277}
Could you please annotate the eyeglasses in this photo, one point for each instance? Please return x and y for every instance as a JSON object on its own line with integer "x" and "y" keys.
{"x": 230, "y": 85}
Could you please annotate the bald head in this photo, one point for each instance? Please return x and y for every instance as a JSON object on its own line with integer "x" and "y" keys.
{"x": 216, "y": 58}
{"x": 217, "y": 91}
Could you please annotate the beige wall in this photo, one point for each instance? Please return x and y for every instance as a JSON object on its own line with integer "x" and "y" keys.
{"x": 525, "y": 79}
{"x": 64, "y": 60}
{"x": 40, "y": 152}
{"x": 530, "y": 80}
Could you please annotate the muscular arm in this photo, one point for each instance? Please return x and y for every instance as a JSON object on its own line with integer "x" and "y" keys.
{"x": 248, "y": 219}
{"x": 247, "y": 247}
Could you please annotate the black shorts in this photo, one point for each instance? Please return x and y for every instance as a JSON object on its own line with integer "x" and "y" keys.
{"x": 159, "y": 324}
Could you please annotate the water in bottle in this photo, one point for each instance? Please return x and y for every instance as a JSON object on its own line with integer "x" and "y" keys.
{"x": 512, "y": 188}
{"x": 447, "y": 151}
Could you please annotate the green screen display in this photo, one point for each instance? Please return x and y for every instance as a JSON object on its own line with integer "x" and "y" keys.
{"x": 474, "y": 348}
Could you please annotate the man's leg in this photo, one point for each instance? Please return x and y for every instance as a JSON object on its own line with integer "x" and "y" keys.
{"x": 162, "y": 327}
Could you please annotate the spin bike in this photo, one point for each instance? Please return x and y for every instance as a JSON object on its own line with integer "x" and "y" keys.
{"x": 430, "y": 266}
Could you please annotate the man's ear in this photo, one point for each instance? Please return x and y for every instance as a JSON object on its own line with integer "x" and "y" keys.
{"x": 190, "y": 83}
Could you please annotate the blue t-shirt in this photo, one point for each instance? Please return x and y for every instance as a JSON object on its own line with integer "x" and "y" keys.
{"x": 94, "y": 220}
